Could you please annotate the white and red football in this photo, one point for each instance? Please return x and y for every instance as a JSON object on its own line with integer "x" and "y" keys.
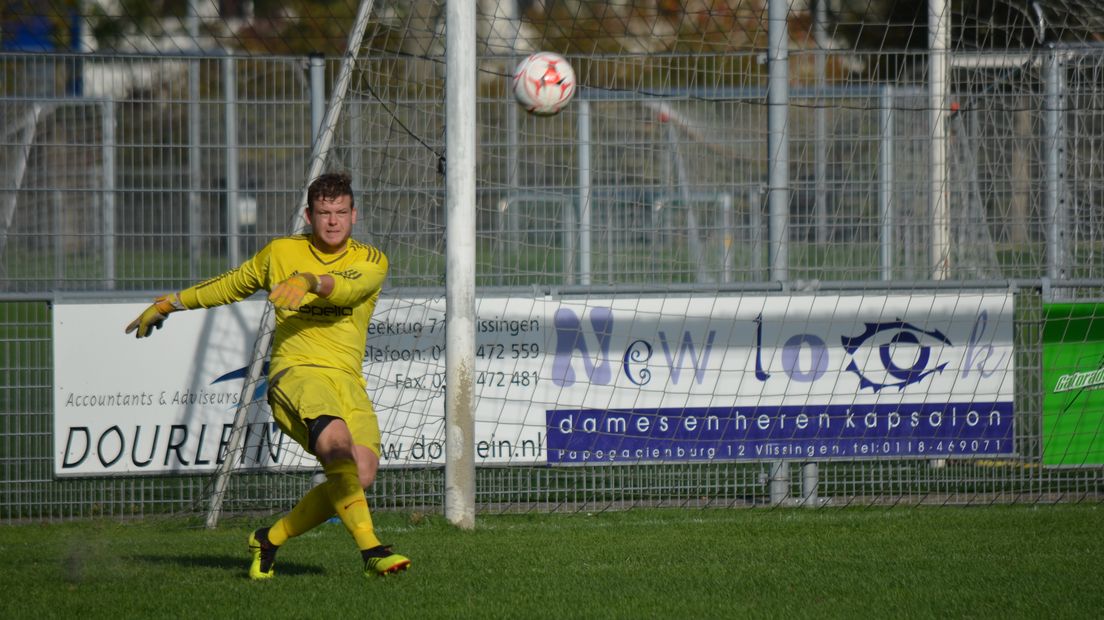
{"x": 544, "y": 83}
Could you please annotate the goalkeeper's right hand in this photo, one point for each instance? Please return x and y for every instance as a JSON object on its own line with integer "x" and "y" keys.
{"x": 289, "y": 294}
{"x": 155, "y": 315}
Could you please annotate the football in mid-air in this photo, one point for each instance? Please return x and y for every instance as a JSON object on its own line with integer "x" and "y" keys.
{"x": 544, "y": 83}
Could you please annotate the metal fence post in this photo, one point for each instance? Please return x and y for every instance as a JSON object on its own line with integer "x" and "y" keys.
{"x": 885, "y": 183}
{"x": 195, "y": 169}
{"x": 820, "y": 121}
{"x": 584, "y": 192}
{"x": 778, "y": 136}
{"x": 317, "y": 94}
{"x": 939, "y": 37}
{"x": 195, "y": 136}
{"x": 755, "y": 228}
{"x": 810, "y": 482}
{"x": 230, "y": 89}
{"x": 779, "y": 482}
{"x": 1055, "y": 158}
{"x": 728, "y": 237}
{"x": 107, "y": 141}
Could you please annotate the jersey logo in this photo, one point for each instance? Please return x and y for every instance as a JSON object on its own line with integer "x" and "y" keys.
{"x": 348, "y": 274}
{"x": 326, "y": 310}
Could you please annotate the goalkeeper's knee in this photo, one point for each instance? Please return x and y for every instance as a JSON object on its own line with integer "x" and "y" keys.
{"x": 153, "y": 316}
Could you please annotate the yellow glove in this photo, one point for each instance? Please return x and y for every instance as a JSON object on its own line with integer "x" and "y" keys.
{"x": 289, "y": 293}
{"x": 155, "y": 315}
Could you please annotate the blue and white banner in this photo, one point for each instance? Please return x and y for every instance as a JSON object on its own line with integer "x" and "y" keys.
{"x": 816, "y": 432}
{"x": 801, "y": 377}
{"x": 707, "y": 377}
{"x": 796, "y": 377}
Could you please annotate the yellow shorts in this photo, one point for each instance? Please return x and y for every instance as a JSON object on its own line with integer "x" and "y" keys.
{"x": 303, "y": 393}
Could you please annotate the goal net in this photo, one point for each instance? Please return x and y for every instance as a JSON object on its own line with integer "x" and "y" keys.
{"x": 659, "y": 320}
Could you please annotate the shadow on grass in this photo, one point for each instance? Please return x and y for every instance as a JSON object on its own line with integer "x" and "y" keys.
{"x": 227, "y": 563}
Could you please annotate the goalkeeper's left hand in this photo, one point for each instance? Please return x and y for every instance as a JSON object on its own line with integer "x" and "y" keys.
{"x": 289, "y": 294}
{"x": 152, "y": 317}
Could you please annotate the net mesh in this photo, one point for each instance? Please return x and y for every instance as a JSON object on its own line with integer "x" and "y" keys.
{"x": 652, "y": 185}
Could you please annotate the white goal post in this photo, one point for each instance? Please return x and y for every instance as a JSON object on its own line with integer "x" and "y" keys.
{"x": 460, "y": 266}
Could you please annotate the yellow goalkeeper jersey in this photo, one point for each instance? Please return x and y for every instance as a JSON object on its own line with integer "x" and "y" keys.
{"x": 325, "y": 331}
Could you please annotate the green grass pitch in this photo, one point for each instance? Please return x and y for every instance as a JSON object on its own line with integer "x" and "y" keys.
{"x": 995, "y": 562}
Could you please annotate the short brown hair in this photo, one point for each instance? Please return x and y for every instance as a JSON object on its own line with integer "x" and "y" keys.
{"x": 330, "y": 186}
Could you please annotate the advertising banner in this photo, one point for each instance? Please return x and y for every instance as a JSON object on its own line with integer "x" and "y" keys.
{"x": 163, "y": 404}
{"x": 674, "y": 378}
{"x": 1073, "y": 378}
{"x": 698, "y": 378}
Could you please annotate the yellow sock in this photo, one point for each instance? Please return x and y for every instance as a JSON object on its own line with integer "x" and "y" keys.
{"x": 347, "y": 499}
{"x": 312, "y": 510}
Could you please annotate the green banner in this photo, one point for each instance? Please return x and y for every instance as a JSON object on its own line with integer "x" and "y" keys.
{"x": 1073, "y": 383}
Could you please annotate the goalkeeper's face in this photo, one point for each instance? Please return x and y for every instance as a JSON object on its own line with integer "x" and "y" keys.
{"x": 331, "y": 221}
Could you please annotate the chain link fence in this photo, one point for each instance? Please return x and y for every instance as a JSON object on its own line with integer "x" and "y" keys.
{"x": 128, "y": 175}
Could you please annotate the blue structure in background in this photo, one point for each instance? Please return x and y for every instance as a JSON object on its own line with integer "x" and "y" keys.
{"x": 25, "y": 30}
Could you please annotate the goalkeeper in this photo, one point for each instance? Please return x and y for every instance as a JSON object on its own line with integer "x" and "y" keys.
{"x": 324, "y": 286}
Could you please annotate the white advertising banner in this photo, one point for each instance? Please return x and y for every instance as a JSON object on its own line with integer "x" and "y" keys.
{"x": 675, "y": 378}
{"x": 163, "y": 404}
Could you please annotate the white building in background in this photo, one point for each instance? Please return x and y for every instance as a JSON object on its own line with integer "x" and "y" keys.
{"x": 203, "y": 28}
{"x": 210, "y": 26}
{"x": 204, "y": 25}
